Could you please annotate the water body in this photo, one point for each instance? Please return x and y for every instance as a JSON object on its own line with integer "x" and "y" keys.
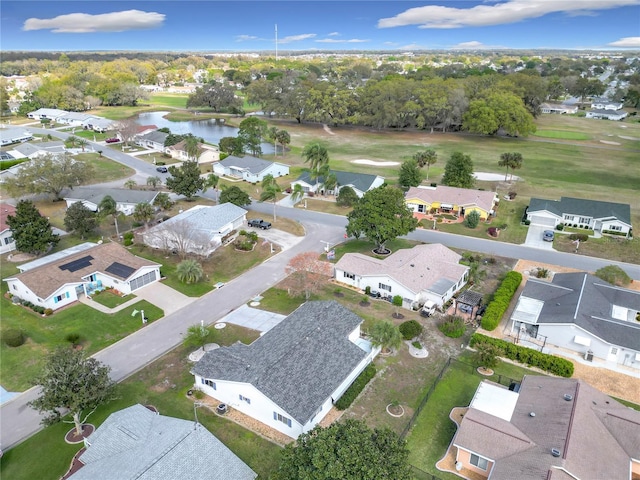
{"x": 211, "y": 130}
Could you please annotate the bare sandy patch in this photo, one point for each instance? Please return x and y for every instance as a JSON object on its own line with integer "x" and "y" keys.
{"x": 364, "y": 161}
{"x": 628, "y": 138}
{"x": 494, "y": 177}
{"x": 608, "y": 142}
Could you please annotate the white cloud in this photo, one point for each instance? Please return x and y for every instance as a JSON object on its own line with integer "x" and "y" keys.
{"x": 104, "y": 22}
{"x": 335, "y": 40}
{"x": 472, "y": 44}
{"x": 244, "y": 38}
{"x": 296, "y": 38}
{"x": 333, "y": 34}
{"x": 627, "y": 42}
{"x": 510, "y": 11}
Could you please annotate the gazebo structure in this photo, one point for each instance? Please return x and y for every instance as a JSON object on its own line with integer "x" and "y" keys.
{"x": 468, "y": 302}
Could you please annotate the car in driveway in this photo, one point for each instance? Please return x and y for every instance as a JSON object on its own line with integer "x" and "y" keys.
{"x": 259, "y": 223}
{"x": 548, "y": 235}
{"x": 112, "y": 140}
{"x": 162, "y": 169}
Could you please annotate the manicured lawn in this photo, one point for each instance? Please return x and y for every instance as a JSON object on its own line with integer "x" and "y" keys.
{"x": 612, "y": 248}
{"x": 561, "y": 134}
{"x": 366, "y": 247}
{"x": 430, "y": 436}
{"x": 109, "y": 299}
{"x": 168, "y": 100}
{"x": 105, "y": 170}
{"x": 163, "y": 384}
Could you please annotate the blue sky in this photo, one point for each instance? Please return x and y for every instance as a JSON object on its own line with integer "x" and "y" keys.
{"x": 238, "y": 25}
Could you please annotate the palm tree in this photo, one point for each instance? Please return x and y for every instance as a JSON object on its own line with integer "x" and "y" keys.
{"x": 270, "y": 190}
{"x": 283, "y": 138}
{"x": 130, "y": 184}
{"x": 82, "y": 142}
{"x": 108, "y": 206}
{"x": 189, "y": 271}
{"x": 143, "y": 212}
{"x": 386, "y": 335}
{"x": 273, "y": 135}
{"x": 427, "y": 157}
{"x": 511, "y": 161}
{"x": 191, "y": 146}
{"x": 71, "y": 141}
{"x": 297, "y": 193}
{"x": 317, "y": 157}
{"x": 211, "y": 181}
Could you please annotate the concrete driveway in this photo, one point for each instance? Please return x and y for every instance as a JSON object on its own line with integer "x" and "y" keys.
{"x": 164, "y": 297}
{"x": 253, "y": 318}
{"x": 534, "y": 237}
{"x": 284, "y": 239}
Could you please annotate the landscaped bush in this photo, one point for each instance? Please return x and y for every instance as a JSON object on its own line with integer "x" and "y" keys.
{"x": 128, "y": 239}
{"x": 410, "y": 329}
{"x": 492, "y": 231}
{"x": 13, "y": 337}
{"x": 417, "y": 345}
{"x": 356, "y": 387}
{"x": 472, "y": 219}
{"x": 560, "y": 227}
{"x": 73, "y": 338}
{"x": 48, "y": 311}
{"x": 501, "y": 299}
{"x": 452, "y": 326}
{"x": 533, "y": 358}
{"x": 527, "y": 222}
{"x": 579, "y": 236}
{"x": 614, "y": 232}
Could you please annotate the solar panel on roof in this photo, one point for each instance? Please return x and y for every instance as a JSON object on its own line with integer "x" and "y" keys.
{"x": 122, "y": 271}
{"x": 78, "y": 264}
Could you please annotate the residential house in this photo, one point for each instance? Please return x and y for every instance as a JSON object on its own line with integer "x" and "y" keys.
{"x": 126, "y": 199}
{"x": 14, "y": 135}
{"x": 206, "y": 153}
{"x": 359, "y": 182}
{"x": 60, "y": 279}
{"x": 602, "y": 103}
{"x": 250, "y": 169}
{"x": 38, "y": 149}
{"x": 98, "y": 124}
{"x": 559, "y": 109}
{"x": 139, "y": 444}
{"x": 602, "y": 217}
{"x": 552, "y": 428}
{"x": 599, "y": 114}
{"x": 7, "y": 243}
{"x": 582, "y": 314}
{"x": 74, "y": 119}
{"x": 47, "y": 113}
{"x": 420, "y": 274}
{"x": 199, "y": 230}
{"x": 289, "y": 378}
{"x": 154, "y": 140}
{"x": 452, "y": 200}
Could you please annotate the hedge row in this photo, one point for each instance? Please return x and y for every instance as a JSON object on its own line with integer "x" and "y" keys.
{"x": 356, "y": 387}
{"x": 501, "y": 299}
{"x": 533, "y": 358}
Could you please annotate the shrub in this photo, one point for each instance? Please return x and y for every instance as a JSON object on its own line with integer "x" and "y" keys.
{"x": 356, "y": 387}
{"x": 492, "y": 231}
{"x": 512, "y": 195}
{"x": 410, "y": 329}
{"x": 579, "y": 236}
{"x": 533, "y": 358}
{"x": 560, "y": 227}
{"x": 128, "y": 239}
{"x": 501, "y": 299}
{"x": 72, "y": 338}
{"x": 472, "y": 219}
{"x": 527, "y": 222}
{"x": 13, "y": 337}
{"x": 452, "y": 326}
{"x": 487, "y": 355}
{"x": 542, "y": 273}
{"x": 417, "y": 345}
{"x": 367, "y": 290}
{"x": 614, "y": 275}
{"x": 48, "y": 311}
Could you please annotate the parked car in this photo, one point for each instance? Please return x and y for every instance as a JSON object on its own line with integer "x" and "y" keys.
{"x": 259, "y": 223}
{"x": 162, "y": 169}
{"x": 548, "y": 235}
{"x": 374, "y": 294}
{"x": 112, "y": 140}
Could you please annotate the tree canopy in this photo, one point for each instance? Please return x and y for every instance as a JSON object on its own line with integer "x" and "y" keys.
{"x": 346, "y": 450}
{"x": 80, "y": 220}
{"x": 219, "y": 97}
{"x": 185, "y": 180}
{"x": 381, "y": 215}
{"x": 458, "y": 172}
{"x": 31, "y": 231}
{"x": 49, "y": 174}
{"x": 250, "y": 133}
{"x": 347, "y": 197}
{"x": 426, "y": 158}
{"x": 235, "y": 195}
{"x": 410, "y": 174}
{"x": 71, "y": 380}
{"x": 499, "y": 111}
{"x": 512, "y": 161}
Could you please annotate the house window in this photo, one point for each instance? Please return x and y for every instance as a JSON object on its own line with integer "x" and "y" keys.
{"x": 282, "y": 418}
{"x": 244, "y": 399}
{"x": 8, "y": 240}
{"x": 422, "y": 208}
{"x": 382, "y": 286}
{"x": 569, "y": 218}
{"x": 614, "y": 351}
{"x": 210, "y": 383}
{"x": 60, "y": 297}
{"x": 349, "y": 275}
{"x": 584, "y": 220}
{"x": 615, "y": 228}
{"x": 14, "y": 287}
{"x": 479, "y": 462}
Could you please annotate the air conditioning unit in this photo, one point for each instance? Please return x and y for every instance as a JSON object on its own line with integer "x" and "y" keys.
{"x": 588, "y": 356}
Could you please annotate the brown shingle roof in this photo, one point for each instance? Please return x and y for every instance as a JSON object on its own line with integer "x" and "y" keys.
{"x": 46, "y": 279}
{"x": 5, "y": 210}
{"x": 417, "y": 268}
{"x": 453, "y": 195}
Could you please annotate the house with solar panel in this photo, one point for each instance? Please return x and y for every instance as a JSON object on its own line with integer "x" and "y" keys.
{"x": 59, "y": 279}
{"x": 359, "y": 182}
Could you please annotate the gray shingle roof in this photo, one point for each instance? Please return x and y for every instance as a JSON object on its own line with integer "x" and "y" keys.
{"x": 361, "y": 181}
{"x": 584, "y": 207}
{"x": 50, "y": 147}
{"x": 297, "y": 364}
{"x": 136, "y": 443}
{"x": 120, "y": 195}
{"x": 587, "y": 301}
{"x": 157, "y": 137}
{"x": 252, "y": 164}
{"x": 206, "y": 219}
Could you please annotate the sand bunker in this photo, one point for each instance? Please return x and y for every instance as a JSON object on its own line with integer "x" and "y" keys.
{"x": 364, "y": 161}
{"x": 628, "y": 138}
{"x": 609, "y": 143}
{"x": 494, "y": 177}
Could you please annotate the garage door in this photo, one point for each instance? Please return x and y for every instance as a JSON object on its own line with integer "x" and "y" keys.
{"x": 545, "y": 221}
{"x": 143, "y": 280}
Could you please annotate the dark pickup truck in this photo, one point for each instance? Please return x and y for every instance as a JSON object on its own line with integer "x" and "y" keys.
{"x": 259, "y": 223}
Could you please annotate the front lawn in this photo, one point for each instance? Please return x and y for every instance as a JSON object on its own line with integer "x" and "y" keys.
{"x": 109, "y": 299}
{"x": 611, "y": 248}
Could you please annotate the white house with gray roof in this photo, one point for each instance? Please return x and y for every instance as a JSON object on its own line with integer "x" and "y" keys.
{"x": 138, "y": 444}
{"x": 126, "y": 199}
{"x": 199, "y": 230}
{"x": 49, "y": 113}
{"x": 250, "y": 169}
{"x": 38, "y": 149}
{"x": 290, "y": 377}
{"x": 419, "y": 274}
{"x": 583, "y": 314}
{"x": 359, "y": 182}
{"x": 14, "y": 135}
{"x": 154, "y": 140}
{"x": 603, "y": 217}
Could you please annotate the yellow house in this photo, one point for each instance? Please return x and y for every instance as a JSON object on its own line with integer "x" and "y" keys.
{"x": 456, "y": 201}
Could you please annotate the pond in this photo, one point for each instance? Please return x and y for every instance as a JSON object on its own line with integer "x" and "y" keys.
{"x": 211, "y": 130}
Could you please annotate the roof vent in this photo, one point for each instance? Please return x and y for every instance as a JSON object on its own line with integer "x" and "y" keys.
{"x": 555, "y": 452}
{"x": 412, "y": 265}
{"x": 532, "y": 414}
{"x": 568, "y": 397}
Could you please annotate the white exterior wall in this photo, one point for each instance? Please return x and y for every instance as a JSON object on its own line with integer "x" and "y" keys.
{"x": 19, "y": 289}
{"x": 275, "y": 169}
{"x": 610, "y": 225}
{"x": 7, "y": 243}
{"x": 545, "y": 214}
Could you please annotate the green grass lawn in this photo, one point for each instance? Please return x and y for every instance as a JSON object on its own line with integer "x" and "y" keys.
{"x": 110, "y": 300}
{"x": 168, "y": 100}
{"x": 561, "y": 134}
{"x": 163, "y": 384}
